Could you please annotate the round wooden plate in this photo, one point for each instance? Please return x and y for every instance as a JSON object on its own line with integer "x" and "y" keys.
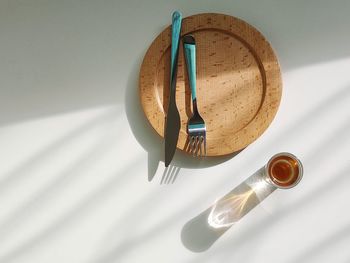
{"x": 238, "y": 82}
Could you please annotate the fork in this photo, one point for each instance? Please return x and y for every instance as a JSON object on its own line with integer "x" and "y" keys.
{"x": 196, "y": 126}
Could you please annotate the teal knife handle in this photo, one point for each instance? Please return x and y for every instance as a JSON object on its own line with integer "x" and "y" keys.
{"x": 190, "y": 56}
{"x": 175, "y": 42}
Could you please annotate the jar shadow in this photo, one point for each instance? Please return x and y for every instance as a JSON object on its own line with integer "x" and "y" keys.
{"x": 201, "y": 232}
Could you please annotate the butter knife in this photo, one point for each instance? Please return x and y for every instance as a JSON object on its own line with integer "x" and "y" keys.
{"x": 172, "y": 121}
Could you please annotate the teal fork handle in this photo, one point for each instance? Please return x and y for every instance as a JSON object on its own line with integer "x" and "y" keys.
{"x": 175, "y": 42}
{"x": 190, "y": 56}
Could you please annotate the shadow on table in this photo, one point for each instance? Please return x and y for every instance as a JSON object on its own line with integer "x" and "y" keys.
{"x": 201, "y": 232}
{"x": 170, "y": 174}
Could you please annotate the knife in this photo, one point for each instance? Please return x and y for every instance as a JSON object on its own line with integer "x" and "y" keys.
{"x": 172, "y": 120}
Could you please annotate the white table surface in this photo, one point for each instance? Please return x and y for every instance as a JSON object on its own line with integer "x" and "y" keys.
{"x": 80, "y": 172}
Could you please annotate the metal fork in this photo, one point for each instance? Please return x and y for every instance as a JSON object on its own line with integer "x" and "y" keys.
{"x": 196, "y": 126}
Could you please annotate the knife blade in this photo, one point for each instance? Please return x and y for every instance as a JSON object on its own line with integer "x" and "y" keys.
{"x": 172, "y": 121}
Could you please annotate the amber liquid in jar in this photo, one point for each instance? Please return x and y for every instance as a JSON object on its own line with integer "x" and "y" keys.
{"x": 283, "y": 170}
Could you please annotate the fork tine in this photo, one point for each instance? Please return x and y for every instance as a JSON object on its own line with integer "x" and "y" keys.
{"x": 190, "y": 144}
{"x": 200, "y": 145}
{"x": 194, "y": 146}
{"x": 193, "y": 143}
{"x": 204, "y": 145}
{"x": 197, "y": 145}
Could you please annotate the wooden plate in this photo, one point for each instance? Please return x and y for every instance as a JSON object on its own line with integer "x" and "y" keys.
{"x": 238, "y": 82}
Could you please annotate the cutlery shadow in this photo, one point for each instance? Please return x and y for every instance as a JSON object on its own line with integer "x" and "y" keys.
{"x": 201, "y": 232}
{"x": 170, "y": 174}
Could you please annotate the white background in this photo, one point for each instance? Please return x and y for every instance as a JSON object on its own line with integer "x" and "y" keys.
{"x": 80, "y": 172}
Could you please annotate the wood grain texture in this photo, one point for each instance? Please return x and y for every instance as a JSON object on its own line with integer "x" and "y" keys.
{"x": 239, "y": 83}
